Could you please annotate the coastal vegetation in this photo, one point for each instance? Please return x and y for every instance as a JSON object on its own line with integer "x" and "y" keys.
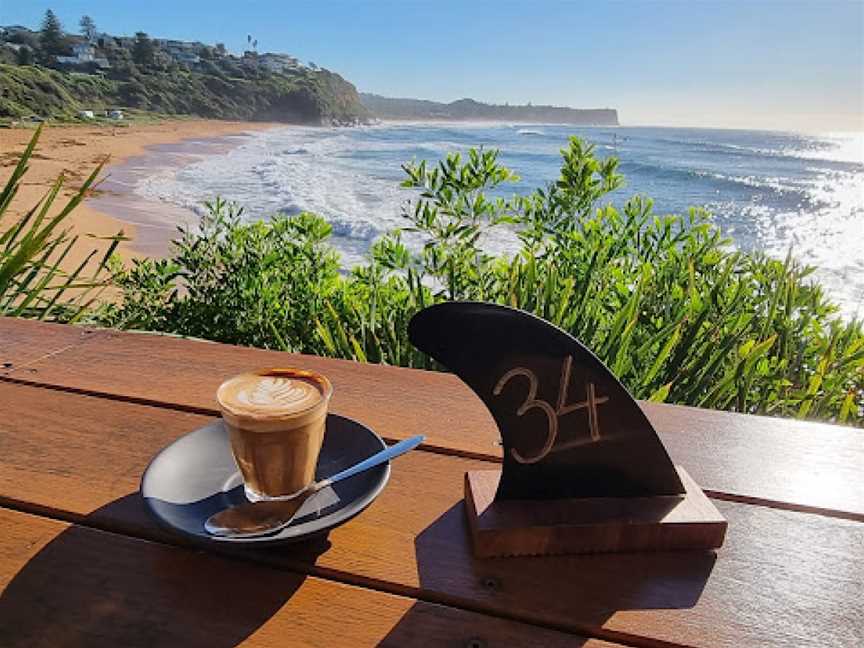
{"x": 53, "y": 75}
{"x": 664, "y": 300}
{"x": 315, "y": 97}
{"x": 33, "y": 282}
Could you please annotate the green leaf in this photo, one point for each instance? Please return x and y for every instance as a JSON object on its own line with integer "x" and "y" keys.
{"x": 661, "y": 394}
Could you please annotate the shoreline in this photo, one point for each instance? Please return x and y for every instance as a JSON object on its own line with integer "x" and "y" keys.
{"x": 75, "y": 150}
{"x": 156, "y": 221}
{"x": 324, "y": 179}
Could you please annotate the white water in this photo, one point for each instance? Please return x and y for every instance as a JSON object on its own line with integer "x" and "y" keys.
{"x": 768, "y": 191}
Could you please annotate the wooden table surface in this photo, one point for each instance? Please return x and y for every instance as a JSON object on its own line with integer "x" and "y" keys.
{"x": 82, "y": 563}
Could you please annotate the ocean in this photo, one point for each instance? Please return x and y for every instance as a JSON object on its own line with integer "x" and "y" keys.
{"x": 768, "y": 191}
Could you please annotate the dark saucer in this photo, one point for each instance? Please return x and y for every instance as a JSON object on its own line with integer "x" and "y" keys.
{"x": 196, "y": 476}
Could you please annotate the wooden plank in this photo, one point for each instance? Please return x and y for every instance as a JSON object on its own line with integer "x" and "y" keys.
{"x": 24, "y": 343}
{"x": 792, "y": 464}
{"x": 782, "y": 578}
{"x": 588, "y": 525}
{"x": 187, "y": 373}
{"x": 65, "y": 585}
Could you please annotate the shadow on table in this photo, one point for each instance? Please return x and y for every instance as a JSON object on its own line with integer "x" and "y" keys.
{"x": 578, "y": 592}
{"x": 88, "y": 587}
{"x": 430, "y": 624}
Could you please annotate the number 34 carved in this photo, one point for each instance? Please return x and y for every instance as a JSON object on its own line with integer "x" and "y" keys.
{"x": 553, "y": 414}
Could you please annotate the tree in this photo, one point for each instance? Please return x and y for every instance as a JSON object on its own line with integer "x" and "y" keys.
{"x": 220, "y": 49}
{"x": 88, "y": 28}
{"x": 24, "y": 56}
{"x": 143, "y": 52}
{"x": 51, "y": 36}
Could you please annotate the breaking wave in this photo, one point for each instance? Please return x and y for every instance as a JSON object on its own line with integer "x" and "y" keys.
{"x": 770, "y": 190}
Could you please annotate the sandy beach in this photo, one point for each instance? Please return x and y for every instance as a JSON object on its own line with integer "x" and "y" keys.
{"x": 74, "y": 151}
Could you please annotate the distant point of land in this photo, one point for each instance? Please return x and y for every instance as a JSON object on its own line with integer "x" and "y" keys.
{"x": 471, "y": 110}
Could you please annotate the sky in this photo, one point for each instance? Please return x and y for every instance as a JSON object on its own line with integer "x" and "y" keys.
{"x": 764, "y": 64}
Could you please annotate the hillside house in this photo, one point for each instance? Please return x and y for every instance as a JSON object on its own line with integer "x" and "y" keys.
{"x": 187, "y": 58}
{"x": 277, "y": 62}
{"x": 183, "y": 52}
{"x": 175, "y": 46}
{"x": 126, "y": 42}
{"x": 82, "y": 54}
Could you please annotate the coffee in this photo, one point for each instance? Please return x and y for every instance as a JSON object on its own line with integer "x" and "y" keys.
{"x": 276, "y": 419}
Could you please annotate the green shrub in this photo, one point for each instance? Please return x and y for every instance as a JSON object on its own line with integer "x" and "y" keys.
{"x": 664, "y": 300}
{"x": 262, "y": 284}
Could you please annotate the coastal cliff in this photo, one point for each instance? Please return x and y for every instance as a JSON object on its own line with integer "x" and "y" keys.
{"x": 54, "y": 75}
{"x": 303, "y": 96}
{"x": 471, "y": 110}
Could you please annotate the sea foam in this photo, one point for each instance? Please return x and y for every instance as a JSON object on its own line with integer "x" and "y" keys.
{"x": 773, "y": 191}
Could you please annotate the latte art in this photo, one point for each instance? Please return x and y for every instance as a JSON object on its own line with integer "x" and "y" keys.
{"x": 279, "y": 392}
{"x": 274, "y": 393}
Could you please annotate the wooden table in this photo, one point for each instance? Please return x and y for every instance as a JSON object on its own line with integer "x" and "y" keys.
{"x": 82, "y": 564}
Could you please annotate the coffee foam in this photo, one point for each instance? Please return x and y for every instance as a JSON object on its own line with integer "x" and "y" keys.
{"x": 270, "y": 391}
{"x": 274, "y": 393}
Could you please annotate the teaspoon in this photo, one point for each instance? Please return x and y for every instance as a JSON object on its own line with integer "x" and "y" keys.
{"x": 270, "y": 516}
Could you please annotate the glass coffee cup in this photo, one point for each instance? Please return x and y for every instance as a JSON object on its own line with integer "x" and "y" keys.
{"x": 276, "y": 419}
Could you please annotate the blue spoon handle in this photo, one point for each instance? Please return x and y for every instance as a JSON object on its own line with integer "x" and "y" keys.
{"x": 378, "y": 458}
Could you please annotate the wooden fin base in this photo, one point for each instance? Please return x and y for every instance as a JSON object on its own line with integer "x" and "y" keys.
{"x": 590, "y": 525}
